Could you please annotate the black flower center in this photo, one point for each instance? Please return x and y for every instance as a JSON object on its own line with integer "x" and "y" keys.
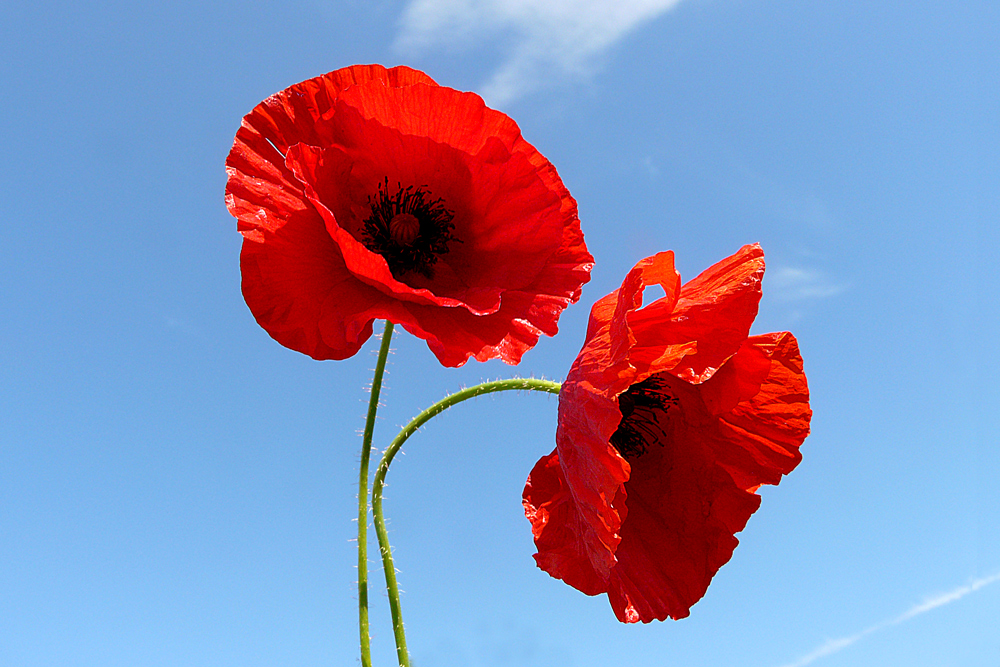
{"x": 409, "y": 229}
{"x": 645, "y": 409}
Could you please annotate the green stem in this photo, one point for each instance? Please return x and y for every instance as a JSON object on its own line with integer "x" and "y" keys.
{"x": 383, "y": 467}
{"x": 366, "y": 450}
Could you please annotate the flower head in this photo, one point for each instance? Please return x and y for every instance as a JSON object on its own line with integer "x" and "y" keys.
{"x": 670, "y": 419}
{"x": 372, "y": 193}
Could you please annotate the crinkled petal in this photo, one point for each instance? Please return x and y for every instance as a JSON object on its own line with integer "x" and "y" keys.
{"x": 604, "y": 364}
{"x": 591, "y": 470}
{"x": 507, "y": 223}
{"x": 693, "y": 336}
{"x": 560, "y": 532}
{"x": 759, "y": 438}
{"x": 454, "y": 334}
{"x": 300, "y": 292}
{"x": 509, "y": 214}
{"x": 316, "y": 167}
{"x": 299, "y": 114}
{"x": 688, "y": 497}
{"x": 441, "y": 114}
{"x": 677, "y": 534}
{"x": 584, "y": 493}
{"x": 302, "y": 114}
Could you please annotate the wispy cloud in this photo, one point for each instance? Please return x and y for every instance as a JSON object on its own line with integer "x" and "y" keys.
{"x": 550, "y": 38}
{"x": 834, "y": 645}
{"x": 798, "y": 284}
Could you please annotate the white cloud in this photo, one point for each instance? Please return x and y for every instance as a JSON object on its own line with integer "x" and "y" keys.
{"x": 551, "y": 38}
{"x": 945, "y": 598}
{"x": 834, "y": 645}
{"x": 831, "y": 646}
{"x": 794, "y": 284}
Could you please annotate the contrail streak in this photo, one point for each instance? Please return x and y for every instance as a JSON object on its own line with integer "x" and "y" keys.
{"x": 834, "y": 645}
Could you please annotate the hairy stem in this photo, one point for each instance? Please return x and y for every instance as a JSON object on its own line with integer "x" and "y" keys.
{"x": 366, "y": 450}
{"x": 522, "y": 384}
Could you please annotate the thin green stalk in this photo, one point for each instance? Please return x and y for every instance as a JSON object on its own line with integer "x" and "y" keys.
{"x": 529, "y": 384}
{"x": 366, "y": 450}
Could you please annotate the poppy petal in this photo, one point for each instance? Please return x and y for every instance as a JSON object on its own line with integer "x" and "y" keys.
{"x": 441, "y": 114}
{"x": 707, "y": 323}
{"x": 313, "y": 167}
{"x": 592, "y": 472}
{"x": 759, "y": 438}
{"x": 462, "y": 151}
{"x": 687, "y": 498}
{"x": 557, "y": 528}
{"x": 292, "y": 288}
{"x": 677, "y": 535}
{"x": 256, "y": 164}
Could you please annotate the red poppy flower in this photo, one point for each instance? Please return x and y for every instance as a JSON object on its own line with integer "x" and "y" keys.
{"x": 375, "y": 193}
{"x": 669, "y": 421}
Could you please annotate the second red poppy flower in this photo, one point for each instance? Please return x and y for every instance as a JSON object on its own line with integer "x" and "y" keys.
{"x": 670, "y": 419}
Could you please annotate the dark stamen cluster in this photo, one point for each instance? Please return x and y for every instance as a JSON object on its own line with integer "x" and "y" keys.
{"x": 407, "y": 253}
{"x": 645, "y": 409}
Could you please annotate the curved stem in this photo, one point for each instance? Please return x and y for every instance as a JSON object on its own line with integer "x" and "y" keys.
{"x": 366, "y": 450}
{"x": 383, "y": 467}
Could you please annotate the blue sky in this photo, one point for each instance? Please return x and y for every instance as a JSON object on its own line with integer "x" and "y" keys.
{"x": 178, "y": 489}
